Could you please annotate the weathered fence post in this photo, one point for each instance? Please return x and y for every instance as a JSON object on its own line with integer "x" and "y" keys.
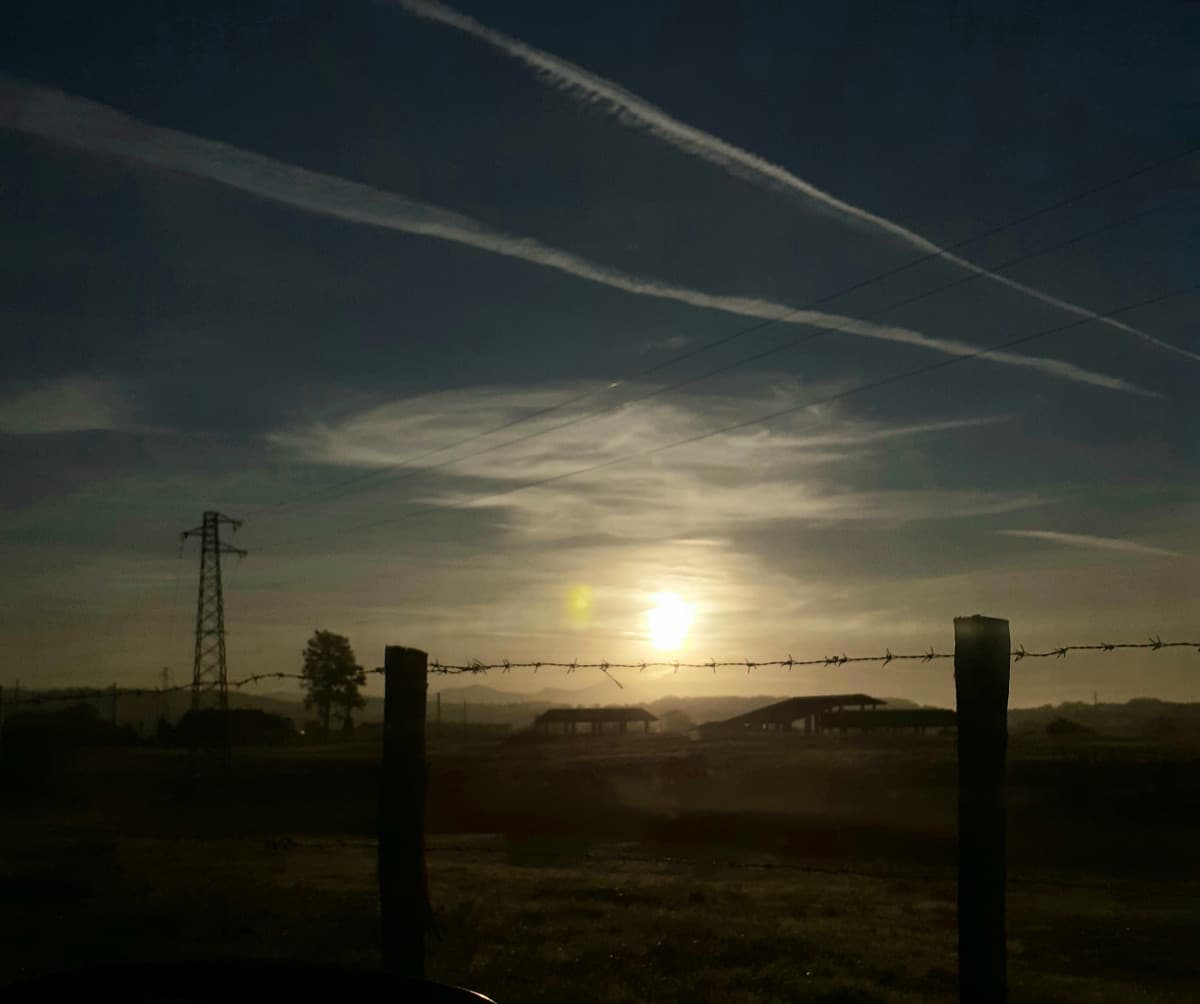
{"x": 403, "y": 898}
{"x": 981, "y": 669}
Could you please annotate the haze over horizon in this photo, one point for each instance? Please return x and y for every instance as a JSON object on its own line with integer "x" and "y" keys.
{"x": 422, "y": 294}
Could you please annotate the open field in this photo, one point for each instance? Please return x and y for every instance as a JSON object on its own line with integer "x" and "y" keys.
{"x": 644, "y": 869}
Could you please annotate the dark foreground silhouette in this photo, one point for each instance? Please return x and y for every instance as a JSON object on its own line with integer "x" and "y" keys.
{"x": 252, "y": 981}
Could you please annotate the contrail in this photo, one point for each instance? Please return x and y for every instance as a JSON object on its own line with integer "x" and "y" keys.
{"x": 629, "y": 108}
{"x": 88, "y": 125}
{"x": 1092, "y": 541}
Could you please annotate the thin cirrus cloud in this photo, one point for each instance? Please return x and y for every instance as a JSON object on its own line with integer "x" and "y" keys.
{"x": 1090, "y": 541}
{"x": 386, "y": 436}
{"x": 801, "y": 470}
{"x": 87, "y": 125}
{"x": 673, "y": 343}
{"x": 629, "y": 108}
{"x": 70, "y": 404}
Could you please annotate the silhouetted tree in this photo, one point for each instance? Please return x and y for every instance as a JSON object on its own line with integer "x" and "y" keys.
{"x": 332, "y": 677}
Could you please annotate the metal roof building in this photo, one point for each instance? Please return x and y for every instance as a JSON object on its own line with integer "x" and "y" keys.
{"x": 783, "y": 715}
{"x": 892, "y": 720}
{"x": 569, "y": 719}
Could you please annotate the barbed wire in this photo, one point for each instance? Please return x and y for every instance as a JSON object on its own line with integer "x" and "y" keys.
{"x": 475, "y": 666}
{"x": 1154, "y": 644}
{"x": 714, "y": 664}
{"x": 1020, "y": 652}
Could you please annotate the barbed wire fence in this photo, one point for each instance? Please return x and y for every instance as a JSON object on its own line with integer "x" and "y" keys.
{"x": 982, "y": 657}
{"x": 479, "y": 667}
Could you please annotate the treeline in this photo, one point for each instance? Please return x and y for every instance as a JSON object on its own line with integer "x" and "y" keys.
{"x": 1144, "y": 717}
{"x": 81, "y": 725}
{"x": 72, "y": 726}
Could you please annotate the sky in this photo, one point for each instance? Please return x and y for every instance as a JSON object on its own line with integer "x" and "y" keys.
{"x": 503, "y": 327}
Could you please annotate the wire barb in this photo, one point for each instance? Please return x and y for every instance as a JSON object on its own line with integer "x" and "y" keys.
{"x": 475, "y": 666}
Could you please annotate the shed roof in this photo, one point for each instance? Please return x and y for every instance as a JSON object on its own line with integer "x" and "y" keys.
{"x": 905, "y": 718}
{"x": 795, "y": 708}
{"x": 610, "y": 714}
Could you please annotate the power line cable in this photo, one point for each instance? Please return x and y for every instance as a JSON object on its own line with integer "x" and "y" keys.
{"x": 756, "y": 327}
{"x": 758, "y": 420}
{"x": 745, "y": 360}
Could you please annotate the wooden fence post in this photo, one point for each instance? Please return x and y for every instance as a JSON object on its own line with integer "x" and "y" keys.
{"x": 981, "y": 671}
{"x": 403, "y": 896}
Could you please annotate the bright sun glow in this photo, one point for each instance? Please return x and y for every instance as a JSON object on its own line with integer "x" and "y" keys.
{"x": 669, "y": 619}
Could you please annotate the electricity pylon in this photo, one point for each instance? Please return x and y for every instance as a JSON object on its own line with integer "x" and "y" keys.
{"x": 208, "y": 668}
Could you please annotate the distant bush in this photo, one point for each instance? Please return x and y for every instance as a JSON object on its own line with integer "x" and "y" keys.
{"x": 73, "y": 726}
{"x": 1159, "y": 726}
{"x": 39, "y": 750}
{"x": 1067, "y": 727}
{"x": 237, "y": 726}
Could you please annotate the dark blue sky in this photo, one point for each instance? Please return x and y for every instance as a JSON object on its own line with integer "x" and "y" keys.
{"x": 173, "y": 343}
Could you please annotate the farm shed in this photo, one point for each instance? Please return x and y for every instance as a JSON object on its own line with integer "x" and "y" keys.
{"x": 569, "y": 719}
{"x": 783, "y": 715}
{"x": 892, "y": 720}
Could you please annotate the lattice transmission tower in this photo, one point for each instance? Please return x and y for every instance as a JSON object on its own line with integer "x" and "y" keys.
{"x": 209, "y": 669}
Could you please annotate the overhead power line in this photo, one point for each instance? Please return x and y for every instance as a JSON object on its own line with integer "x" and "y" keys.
{"x": 408, "y": 471}
{"x": 860, "y": 388}
{"x": 757, "y": 326}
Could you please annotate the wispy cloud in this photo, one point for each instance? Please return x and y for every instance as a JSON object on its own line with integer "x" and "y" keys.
{"x": 629, "y": 108}
{"x": 794, "y": 472}
{"x": 671, "y": 344}
{"x": 71, "y": 404}
{"x": 83, "y": 124}
{"x": 1093, "y": 542}
{"x": 409, "y": 433}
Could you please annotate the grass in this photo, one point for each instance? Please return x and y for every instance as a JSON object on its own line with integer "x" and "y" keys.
{"x": 607, "y": 872}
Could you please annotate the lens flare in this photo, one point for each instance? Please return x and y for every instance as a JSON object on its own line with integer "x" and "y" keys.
{"x": 579, "y": 605}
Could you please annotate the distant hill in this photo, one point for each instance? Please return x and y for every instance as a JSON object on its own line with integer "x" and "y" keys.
{"x": 487, "y": 704}
{"x": 142, "y": 711}
{"x": 602, "y": 692}
{"x": 1141, "y": 717}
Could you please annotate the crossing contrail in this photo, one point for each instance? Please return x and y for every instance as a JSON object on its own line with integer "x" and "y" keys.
{"x": 630, "y": 108}
{"x": 87, "y": 125}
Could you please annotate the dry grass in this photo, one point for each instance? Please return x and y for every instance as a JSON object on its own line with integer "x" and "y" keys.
{"x": 610, "y": 872}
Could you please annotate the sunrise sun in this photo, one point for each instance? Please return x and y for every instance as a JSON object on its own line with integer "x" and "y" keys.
{"x": 669, "y": 620}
